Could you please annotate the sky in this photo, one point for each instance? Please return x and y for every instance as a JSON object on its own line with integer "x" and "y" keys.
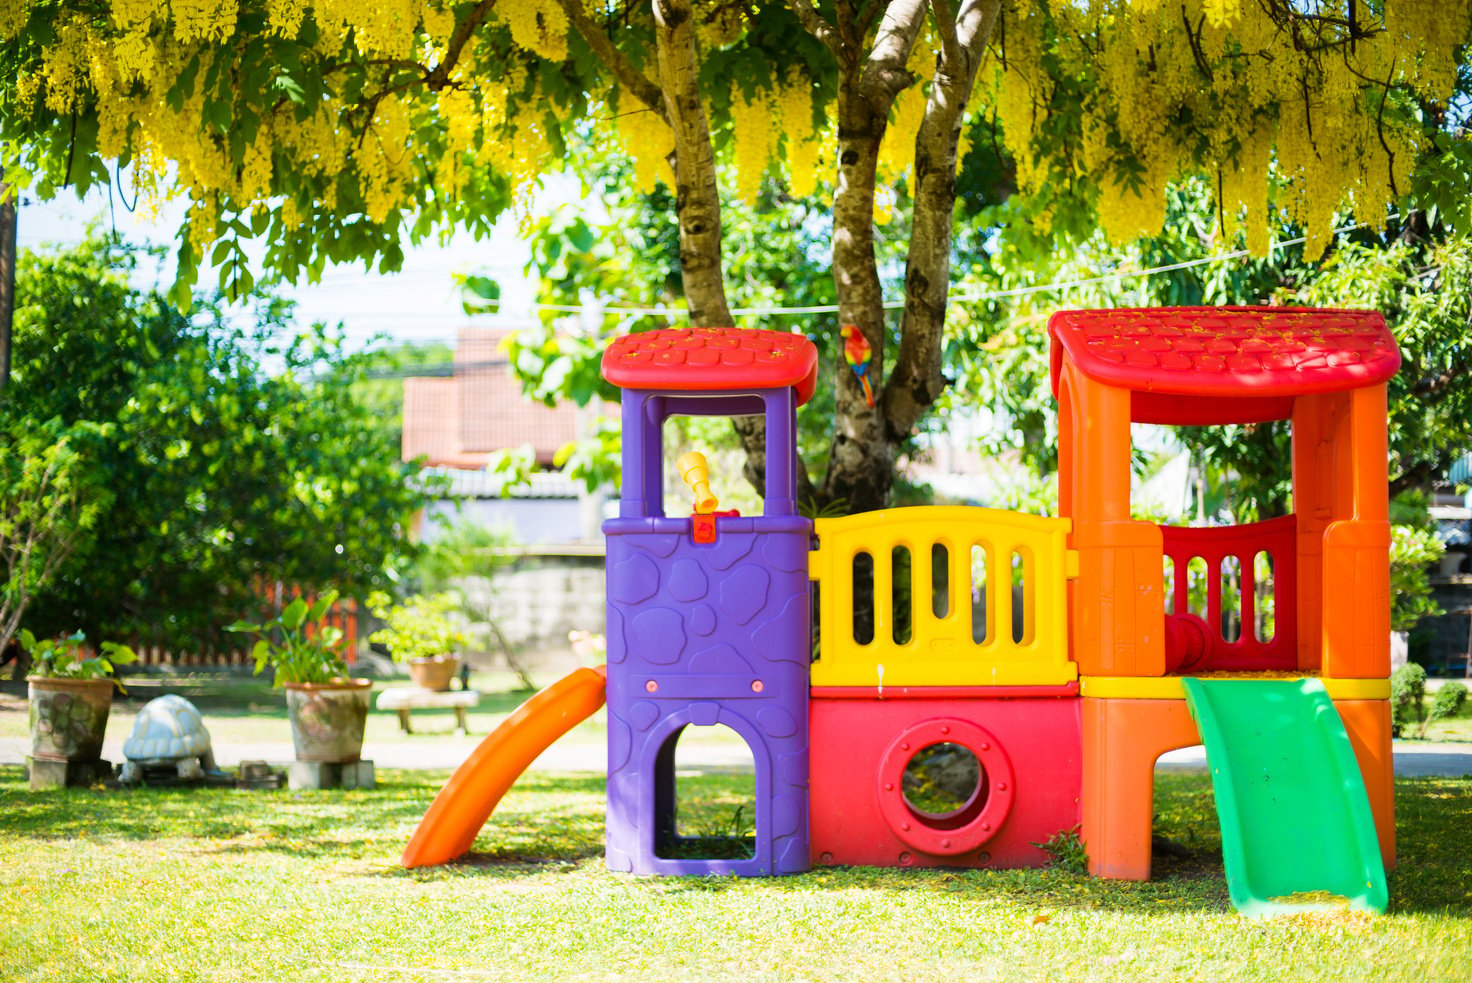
{"x": 420, "y": 303}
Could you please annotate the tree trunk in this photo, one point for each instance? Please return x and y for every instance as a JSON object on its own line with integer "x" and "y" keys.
{"x": 697, "y": 195}
{"x": 8, "y": 216}
{"x": 918, "y": 380}
{"x": 862, "y": 455}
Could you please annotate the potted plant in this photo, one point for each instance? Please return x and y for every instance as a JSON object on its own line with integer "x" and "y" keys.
{"x": 70, "y": 695}
{"x": 419, "y": 631}
{"x": 327, "y": 708}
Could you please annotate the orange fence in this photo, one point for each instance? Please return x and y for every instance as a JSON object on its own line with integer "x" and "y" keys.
{"x": 345, "y": 614}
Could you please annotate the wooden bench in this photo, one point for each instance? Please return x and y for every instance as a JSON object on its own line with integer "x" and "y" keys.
{"x": 406, "y": 698}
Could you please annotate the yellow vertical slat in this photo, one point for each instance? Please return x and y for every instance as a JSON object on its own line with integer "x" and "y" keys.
{"x": 960, "y": 561}
{"x": 883, "y": 590}
{"x": 923, "y": 622}
{"x": 998, "y": 592}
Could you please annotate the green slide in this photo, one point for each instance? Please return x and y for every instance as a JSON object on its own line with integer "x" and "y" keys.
{"x": 1295, "y": 816}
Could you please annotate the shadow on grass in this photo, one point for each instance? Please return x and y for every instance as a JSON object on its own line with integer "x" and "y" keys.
{"x": 551, "y": 823}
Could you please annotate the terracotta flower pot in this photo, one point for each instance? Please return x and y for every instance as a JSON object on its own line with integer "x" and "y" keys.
{"x": 434, "y": 672}
{"x": 327, "y": 719}
{"x": 68, "y": 717}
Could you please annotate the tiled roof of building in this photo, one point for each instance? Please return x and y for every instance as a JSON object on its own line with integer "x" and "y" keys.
{"x": 458, "y": 422}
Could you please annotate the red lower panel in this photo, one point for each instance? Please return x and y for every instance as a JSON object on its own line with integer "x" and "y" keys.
{"x": 1029, "y": 751}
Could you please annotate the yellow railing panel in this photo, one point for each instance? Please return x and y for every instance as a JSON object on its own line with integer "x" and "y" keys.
{"x": 941, "y": 649}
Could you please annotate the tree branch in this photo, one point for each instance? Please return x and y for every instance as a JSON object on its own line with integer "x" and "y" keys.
{"x": 629, "y": 76}
{"x": 697, "y": 195}
{"x": 945, "y": 24}
{"x": 816, "y": 25}
{"x": 917, "y": 379}
{"x": 456, "y": 45}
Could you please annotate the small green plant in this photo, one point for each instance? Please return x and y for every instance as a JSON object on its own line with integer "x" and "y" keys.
{"x": 1408, "y": 701}
{"x": 305, "y": 652}
{"x": 418, "y": 628}
{"x": 1067, "y": 851}
{"x": 63, "y": 658}
{"x": 1448, "y": 702}
{"x": 1407, "y": 696}
{"x": 717, "y": 836}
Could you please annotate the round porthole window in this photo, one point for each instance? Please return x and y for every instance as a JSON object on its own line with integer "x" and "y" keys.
{"x": 945, "y": 786}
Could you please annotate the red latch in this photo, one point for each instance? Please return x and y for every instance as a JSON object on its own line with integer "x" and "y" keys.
{"x": 703, "y": 525}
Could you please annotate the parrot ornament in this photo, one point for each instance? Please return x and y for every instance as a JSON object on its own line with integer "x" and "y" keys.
{"x": 857, "y": 351}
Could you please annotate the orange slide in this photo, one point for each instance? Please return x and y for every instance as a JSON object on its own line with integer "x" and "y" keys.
{"x": 470, "y": 796}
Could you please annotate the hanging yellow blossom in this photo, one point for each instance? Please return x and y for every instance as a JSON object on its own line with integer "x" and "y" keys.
{"x": 537, "y": 25}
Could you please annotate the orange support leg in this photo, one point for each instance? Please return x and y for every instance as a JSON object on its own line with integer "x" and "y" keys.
{"x": 1122, "y": 740}
{"x": 1368, "y": 724}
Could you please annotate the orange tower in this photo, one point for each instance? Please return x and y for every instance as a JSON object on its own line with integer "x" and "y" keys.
{"x": 1326, "y": 371}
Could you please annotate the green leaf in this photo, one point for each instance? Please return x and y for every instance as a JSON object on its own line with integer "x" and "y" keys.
{"x": 581, "y": 236}
{"x": 119, "y": 654}
{"x": 479, "y": 294}
{"x": 322, "y": 606}
{"x": 294, "y": 614}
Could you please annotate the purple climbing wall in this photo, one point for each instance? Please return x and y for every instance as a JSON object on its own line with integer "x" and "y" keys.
{"x": 702, "y": 634}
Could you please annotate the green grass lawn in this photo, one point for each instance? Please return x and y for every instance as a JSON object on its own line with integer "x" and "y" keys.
{"x": 273, "y": 885}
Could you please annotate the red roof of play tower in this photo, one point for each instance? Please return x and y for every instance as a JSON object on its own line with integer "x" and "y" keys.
{"x": 712, "y": 360}
{"x": 1263, "y": 354}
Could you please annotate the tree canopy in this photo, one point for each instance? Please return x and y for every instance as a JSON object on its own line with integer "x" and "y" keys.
{"x": 337, "y": 130}
{"x": 234, "y": 457}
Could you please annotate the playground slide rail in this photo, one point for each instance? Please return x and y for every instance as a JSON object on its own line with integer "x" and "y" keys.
{"x": 1295, "y": 816}
{"x": 463, "y": 806}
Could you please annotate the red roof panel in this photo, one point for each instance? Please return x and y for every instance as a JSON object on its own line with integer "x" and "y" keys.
{"x": 712, "y": 360}
{"x": 1226, "y": 351}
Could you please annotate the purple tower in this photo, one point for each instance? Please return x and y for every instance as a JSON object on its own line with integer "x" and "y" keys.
{"x": 708, "y": 616}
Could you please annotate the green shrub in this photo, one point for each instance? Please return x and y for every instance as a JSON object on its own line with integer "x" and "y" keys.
{"x": 1412, "y": 551}
{"x": 1408, "y": 701}
{"x": 1448, "y": 702}
{"x": 1407, "y": 696}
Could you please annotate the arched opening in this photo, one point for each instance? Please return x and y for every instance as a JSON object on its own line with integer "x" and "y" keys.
{"x": 705, "y": 797}
{"x": 1185, "y": 833}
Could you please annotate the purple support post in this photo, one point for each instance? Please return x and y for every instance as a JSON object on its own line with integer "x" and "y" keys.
{"x": 706, "y": 633}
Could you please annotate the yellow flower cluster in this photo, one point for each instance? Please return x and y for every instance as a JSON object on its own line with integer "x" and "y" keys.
{"x": 439, "y": 22}
{"x": 718, "y": 24}
{"x": 897, "y": 151}
{"x": 753, "y": 140}
{"x": 285, "y": 16}
{"x": 648, "y": 141}
{"x": 64, "y": 67}
{"x": 460, "y": 121}
{"x": 385, "y": 28}
{"x": 804, "y": 146}
{"x": 537, "y": 25}
{"x": 132, "y": 14}
{"x": 13, "y": 16}
{"x": 384, "y": 159}
{"x": 1258, "y": 107}
{"x": 203, "y": 20}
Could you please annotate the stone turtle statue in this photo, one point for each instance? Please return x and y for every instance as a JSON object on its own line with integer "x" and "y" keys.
{"x": 168, "y": 732}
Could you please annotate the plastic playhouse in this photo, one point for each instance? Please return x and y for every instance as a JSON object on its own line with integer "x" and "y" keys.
{"x": 1062, "y": 653}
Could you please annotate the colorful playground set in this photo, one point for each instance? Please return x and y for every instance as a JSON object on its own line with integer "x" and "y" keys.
{"x": 1061, "y": 652}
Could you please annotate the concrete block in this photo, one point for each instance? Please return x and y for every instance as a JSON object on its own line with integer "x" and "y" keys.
{"x": 67, "y": 774}
{"x": 323, "y": 774}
